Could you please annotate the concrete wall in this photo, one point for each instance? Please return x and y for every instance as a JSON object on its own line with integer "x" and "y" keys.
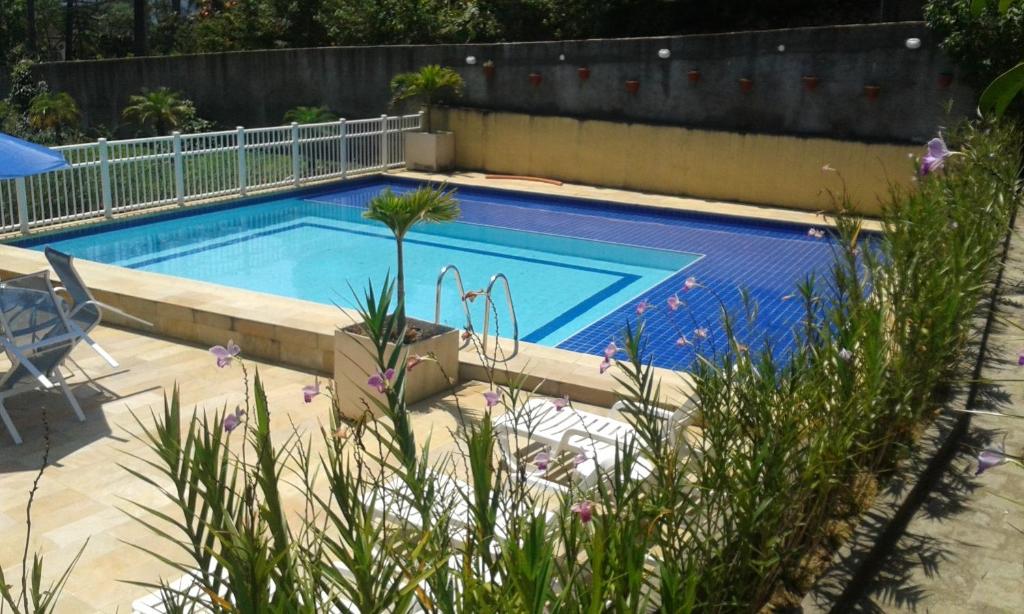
{"x": 765, "y": 169}
{"x": 256, "y": 88}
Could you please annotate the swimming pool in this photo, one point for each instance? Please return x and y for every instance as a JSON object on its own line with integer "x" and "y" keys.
{"x": 577, "y": 269}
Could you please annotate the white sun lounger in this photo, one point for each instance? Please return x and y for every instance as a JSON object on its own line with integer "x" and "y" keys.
{"x": 598, "y": 438}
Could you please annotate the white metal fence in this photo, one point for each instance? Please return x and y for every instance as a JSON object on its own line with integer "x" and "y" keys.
{"x": 108, "y": 177}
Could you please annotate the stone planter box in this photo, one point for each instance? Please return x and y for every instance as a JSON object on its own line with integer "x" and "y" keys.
{"x": 430, "y": 151}
{"x": 353, "y": 365}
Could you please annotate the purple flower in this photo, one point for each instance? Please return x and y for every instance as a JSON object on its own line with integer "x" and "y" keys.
{"x": 310, "y": 390}
{"x": 936, "y": 156}
{"x": 585, "y": 510}
{"x": 689, "y": 284}
{"x": 682, "y": 340}
{"x": 1020, "y": 358}
{"x": 579, "y": 459}
{"x": 542, "y": 460}
{"x": 845, "y": 355}
{"x": 674, "y": 302}
{"x": 605, "y": 364}
{"x": 380, "y": 381}
{"x": 989, "y": 458}
{"x": 225, "y": 354}
{"x": 610, "y": 350}
{"x": 231, "y": 421}
{"x": 560, "y": 403}
{"x": 642, "y": 307}
{"x": 700, "y": 333}
{"x": 816, "y": 233}
{"x": 492, "y": 398}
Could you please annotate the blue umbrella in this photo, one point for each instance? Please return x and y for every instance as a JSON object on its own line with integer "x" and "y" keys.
{"x": 20, "y": 158}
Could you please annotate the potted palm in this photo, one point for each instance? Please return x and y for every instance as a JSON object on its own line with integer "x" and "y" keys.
{"x": 430, "y": 351}
{"x": 428, "y": 150}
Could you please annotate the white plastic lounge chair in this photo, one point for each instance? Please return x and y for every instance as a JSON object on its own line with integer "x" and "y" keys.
{"x": 393, "y": 504}
{"x": 86, "y": 312}
{"x": 37, "y": 338}
{"x": 598, "y": 438}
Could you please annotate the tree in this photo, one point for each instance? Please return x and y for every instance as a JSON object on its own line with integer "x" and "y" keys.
{"x": 30, "y": 26}
{"x": 430, "y": 84}
{"x": 401, "y": 212}
{"x": 139, "y": 26}
{"x": 985, "y": 37}
{"x": 309, "y": 115}
{"x": 161, "y": 109}
{"x": 53, "y": 111}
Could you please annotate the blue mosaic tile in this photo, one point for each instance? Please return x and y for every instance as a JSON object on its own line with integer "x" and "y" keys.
{"x": 767, "y": 259}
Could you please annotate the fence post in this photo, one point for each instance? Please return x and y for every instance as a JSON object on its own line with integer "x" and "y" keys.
{"x": 179, "y": 169}
{"x": 22, "y": 195}
{"x": 105, "y": 192}
{"x": 295, "y": 153}
{"x": 422, "y": 124}
{"x": 384, "y": 157}
{"x": 343, "y": 132}
{"x": 241, "y": 160}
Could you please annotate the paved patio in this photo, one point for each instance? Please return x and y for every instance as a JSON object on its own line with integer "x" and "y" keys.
{"x": 963, "y": 550}
{"x": 85, "y": 495}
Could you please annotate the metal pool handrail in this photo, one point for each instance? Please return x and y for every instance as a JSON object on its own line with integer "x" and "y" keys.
{"x": 462, "y": 295}
{"x": 511, "y": 310}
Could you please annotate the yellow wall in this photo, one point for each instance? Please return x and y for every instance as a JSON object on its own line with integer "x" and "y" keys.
{"x": 756, "y": 168}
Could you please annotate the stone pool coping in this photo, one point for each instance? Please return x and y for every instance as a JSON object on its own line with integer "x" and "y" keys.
{"x": 643, "y": 199}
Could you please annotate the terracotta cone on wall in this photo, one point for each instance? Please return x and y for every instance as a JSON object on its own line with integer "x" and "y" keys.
{"x": 535, "y": 79}
{"x": 693, "y": 76}
{"x": 945, "y": 80}
{"x": 583, "y": 72}
{"x": 488, "y": 70}
{"x": 810, "y": 82}
{"x": 872, "y": 92}
{"x": 632, "y": 86}
{"x": 746, "y": 85}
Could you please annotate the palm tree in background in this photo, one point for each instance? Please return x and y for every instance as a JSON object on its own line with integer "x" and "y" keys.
{"x": 162, "y": 109}
{"x": 309, "y": 115}
{"x": 53, "y": 111}
{"x": 400, "y": 212}
{"x": 430, "y": 84}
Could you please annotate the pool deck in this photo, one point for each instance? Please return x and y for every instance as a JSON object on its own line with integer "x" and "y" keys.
{"x": 85, "y": 493}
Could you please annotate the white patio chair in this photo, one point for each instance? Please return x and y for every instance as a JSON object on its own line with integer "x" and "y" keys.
{"x": 393, "y": 503}
{"x": 599, "y": 439}
{"x": 37, "y": 337}
{"x": 85, "y": 313}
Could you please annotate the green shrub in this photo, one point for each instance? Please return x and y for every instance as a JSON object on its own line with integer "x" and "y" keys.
{"x": 309, "y": 115}
{"x": 984, "y": 43}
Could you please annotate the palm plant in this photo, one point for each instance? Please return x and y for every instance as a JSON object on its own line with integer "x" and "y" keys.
{"x": 429, "y": 85}
{"x": 162, "y": 109}
{"x": 310, "y": 115}
{"x": 53, "y": 111}
{"x": 401, "y": 212}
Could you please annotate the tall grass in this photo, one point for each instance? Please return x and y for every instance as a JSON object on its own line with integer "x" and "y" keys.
{"x": 729, "y": 518}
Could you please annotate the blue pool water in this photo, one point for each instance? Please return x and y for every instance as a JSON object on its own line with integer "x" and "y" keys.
{"x": 576, "y": 268}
